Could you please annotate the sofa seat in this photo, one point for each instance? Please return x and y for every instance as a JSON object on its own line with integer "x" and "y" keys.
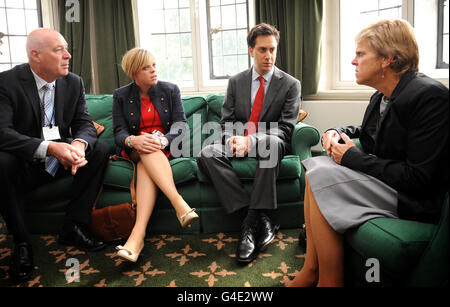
{"x": 246, "y": 169}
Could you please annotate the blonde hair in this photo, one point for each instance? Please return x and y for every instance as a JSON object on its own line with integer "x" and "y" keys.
{"x": 393, "y": 37}
{"x": 135, "y": 60}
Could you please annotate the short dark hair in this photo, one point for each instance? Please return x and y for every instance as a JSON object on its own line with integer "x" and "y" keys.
{"x": 263, "y": 29}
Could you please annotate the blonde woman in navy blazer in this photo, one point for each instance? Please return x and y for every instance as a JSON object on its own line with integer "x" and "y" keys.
{"x": 141, "y": 108}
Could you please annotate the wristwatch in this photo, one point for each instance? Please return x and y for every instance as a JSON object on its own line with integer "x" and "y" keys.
{"x": 163, "y": 142}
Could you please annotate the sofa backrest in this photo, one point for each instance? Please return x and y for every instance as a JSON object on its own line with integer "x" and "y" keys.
{"x": 199, "y": 110}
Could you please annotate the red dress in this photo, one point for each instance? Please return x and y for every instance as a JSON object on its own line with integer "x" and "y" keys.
{"x": 150, "y": 121}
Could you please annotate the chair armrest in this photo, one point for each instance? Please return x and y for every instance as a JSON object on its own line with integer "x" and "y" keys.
{"x": 432, "y": 269}
{"x": 303, "y": 138}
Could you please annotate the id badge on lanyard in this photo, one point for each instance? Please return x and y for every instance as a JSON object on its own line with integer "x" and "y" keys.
{"x": 51, "y": 133}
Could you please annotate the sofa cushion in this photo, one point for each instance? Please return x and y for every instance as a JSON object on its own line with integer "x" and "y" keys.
{"x": 184, "y": 170}
{"x": 118, "y": 173}
{"x": 215, "y": 103}
{"x": 246, "y": 169}
{"x": 100, "y": 109}
{"x": 397, "y": 244}
{"x": 195, "y": 109}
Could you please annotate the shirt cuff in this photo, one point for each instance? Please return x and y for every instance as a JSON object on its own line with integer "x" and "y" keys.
{"x": 41, "y": 151}
{"x": 253, "y": 139}
{"x": 83, "y": 141}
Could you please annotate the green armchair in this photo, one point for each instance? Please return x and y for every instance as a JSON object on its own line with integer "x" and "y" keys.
{"x": 407, "y": 253}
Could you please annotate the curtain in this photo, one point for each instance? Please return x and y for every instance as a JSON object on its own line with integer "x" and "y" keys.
{"x": 76, "y": 33}
{"x": 300, "y": 26}
{"x": 114, "y": 36}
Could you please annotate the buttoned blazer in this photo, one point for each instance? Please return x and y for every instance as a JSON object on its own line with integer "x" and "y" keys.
{"x": 166, "y": 99}
{"x": 20, "y": 112}
{"x": 281, "y": 104}
{"x": 411, "y": 151}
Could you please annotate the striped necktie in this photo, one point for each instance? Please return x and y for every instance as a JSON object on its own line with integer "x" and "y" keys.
{"x": 51, "y": 163}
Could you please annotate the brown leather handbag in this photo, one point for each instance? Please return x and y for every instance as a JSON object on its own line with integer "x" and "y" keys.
{"x": 115, "y": 222}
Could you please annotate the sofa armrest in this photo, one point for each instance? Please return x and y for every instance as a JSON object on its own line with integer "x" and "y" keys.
{"x": 303, "y": 138}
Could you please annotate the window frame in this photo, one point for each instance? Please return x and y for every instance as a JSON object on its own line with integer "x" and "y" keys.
{"x": 203, "y": 84}
{"x": 440, "y": 42}
{"x": 210, "y": 39}
{"x": 6, "y": 36}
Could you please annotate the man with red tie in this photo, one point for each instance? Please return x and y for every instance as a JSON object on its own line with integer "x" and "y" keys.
{"x": 265, "y": 102}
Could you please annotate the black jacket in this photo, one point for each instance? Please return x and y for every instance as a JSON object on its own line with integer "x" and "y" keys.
{"x": 411, "y": 148}
{"x": 20, "y": 112}
{"x": 165, "y": 97}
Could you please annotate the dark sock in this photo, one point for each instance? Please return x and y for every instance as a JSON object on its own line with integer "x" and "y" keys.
{"x": 252, "y": 217}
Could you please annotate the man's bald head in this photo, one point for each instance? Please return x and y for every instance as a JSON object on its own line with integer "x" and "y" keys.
{"x": 38, "y": 39}
{"x": 47, "y": 54}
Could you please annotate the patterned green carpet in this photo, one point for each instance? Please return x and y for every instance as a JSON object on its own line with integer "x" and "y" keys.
{"x": 205, "y": 260}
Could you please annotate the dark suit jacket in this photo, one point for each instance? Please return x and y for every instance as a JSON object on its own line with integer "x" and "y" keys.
{"x": 411, "y": 152}
{"x": 281, "y": 104}
{"x": 165, "y": 97}
{"x": 20, "y": 112}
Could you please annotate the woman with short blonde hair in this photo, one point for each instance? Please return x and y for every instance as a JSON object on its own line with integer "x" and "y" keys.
{"x": 147, "y": 116}
{"x": 394, "y": 37}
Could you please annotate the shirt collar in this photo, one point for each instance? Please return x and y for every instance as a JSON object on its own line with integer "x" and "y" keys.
{"x": 266, "y": 77}
{"x": 41, "y": 82}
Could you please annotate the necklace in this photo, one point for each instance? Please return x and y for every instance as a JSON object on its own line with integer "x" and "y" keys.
{"x": 147, "y": 105}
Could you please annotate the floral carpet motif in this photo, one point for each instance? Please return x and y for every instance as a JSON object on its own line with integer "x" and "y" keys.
{"x": 200, "y": 260}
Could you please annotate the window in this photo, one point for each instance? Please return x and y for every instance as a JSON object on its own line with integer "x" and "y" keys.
{"x": 198, "y": 44}
{"x": 227, "y": 38}
{"x": 442, "y": 60}
{"x": 345, "y": 18}
{"x": 17, "y": 19}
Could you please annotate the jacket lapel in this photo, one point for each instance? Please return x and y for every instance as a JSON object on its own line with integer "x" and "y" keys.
{"x": 247, "y": 90}
{"x": 407, "y": 77}
{"x": 30, "y": 89}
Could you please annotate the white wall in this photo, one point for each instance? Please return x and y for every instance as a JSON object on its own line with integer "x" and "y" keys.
{"x": 328, "y": 114}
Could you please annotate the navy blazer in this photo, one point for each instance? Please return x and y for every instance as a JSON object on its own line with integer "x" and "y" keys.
{"x": 20, "y": 112}
{"x": 165, "y": 97}
{"x": 411, "y": 151}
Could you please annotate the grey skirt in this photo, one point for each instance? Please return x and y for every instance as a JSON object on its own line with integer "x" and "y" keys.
{"x": 348, "y": 198}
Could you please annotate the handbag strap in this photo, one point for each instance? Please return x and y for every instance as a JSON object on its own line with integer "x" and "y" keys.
{"x": 132, "y": 187}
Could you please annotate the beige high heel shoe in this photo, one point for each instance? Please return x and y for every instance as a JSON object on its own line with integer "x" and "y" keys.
{"x": 188, "y": 218}
{"x": 128, "y": 254}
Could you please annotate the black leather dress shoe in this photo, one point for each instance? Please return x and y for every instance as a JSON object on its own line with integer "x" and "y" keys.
{"x": 266, "y": 232}
{"x": 247, "y": 248}
{"x": 21, "y": 265}
{"x": 79, "y": 236}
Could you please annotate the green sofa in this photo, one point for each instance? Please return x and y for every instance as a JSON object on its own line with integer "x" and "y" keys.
{"x": 46, "y": 205}
{"x": 407, "y": 253}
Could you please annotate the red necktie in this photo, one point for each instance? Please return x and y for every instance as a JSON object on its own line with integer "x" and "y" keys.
{"x": 256, "y": 110}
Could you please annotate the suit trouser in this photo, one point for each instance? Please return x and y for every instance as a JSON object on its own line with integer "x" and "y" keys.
{"x": 215, "y": 163}
{"x": 17, "y": 178}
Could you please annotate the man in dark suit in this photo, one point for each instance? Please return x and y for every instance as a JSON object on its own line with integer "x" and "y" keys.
{"x": 268, "y": 101}
{"x": 45, "y": 133}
